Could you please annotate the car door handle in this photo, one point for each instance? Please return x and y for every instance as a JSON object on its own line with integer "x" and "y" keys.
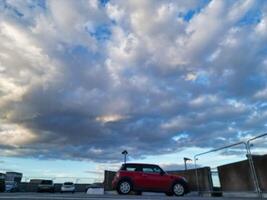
{"x": 144, "y": 175}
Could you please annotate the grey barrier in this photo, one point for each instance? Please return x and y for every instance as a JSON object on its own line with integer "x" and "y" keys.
{"x": 249, "y": 156}
{"x": 108, "y": 177}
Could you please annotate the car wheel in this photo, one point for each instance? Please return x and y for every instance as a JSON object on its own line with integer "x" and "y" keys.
{"x": 124, "y": 187}
{"x": 178, "y": 189}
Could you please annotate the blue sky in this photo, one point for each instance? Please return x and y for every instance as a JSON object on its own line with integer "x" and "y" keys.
{"x": 80, "y": 81}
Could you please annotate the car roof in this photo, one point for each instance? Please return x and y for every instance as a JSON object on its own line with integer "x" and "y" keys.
{"x": 141, "y": 164}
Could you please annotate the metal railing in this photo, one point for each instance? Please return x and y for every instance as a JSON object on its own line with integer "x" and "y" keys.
{"x": 247, "y": 145}
{"x": 252, "y": 165}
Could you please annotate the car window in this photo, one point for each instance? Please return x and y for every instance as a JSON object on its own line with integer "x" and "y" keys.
{"x": 130, "y": 168}
{"x": 151, "y": 169}
{"x": 156, "y": 169}
{"x": 147, "y": 170}
{"x": 47, "y": 182}
{"x": 68, "y": 183}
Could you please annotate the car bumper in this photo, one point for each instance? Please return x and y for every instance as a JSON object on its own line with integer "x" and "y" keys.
{"x": 114, "y": 184}
{"x": 46, "y": 189}
{"x": 67, "y": 189}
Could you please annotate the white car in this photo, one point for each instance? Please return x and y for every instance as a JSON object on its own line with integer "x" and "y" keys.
{"x": 68, "y": 187}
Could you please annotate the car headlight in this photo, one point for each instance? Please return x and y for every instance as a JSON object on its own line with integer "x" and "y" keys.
{"x": 184, "y": 179}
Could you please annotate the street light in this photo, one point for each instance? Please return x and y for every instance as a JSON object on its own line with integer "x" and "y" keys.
{"x": 185, "y": 160}
{"x": 125, "y": 152}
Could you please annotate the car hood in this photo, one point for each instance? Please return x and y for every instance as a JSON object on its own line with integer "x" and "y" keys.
{"x": 177, "y": 177}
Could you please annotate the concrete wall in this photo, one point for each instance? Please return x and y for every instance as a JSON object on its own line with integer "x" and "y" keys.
{"x": 32, "y": 187}
{"x": 204, "y": 177}
{"x": 260, "y": 163}
{"x": 236, "y": 177}
{"x": 108, "y": 177}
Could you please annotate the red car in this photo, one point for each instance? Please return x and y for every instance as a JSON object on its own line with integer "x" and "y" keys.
{"x": 149, "y": 178}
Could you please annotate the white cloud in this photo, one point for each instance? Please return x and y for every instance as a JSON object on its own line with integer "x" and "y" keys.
{"x": 15, "y": 135}
{"x": 110, "y": 118}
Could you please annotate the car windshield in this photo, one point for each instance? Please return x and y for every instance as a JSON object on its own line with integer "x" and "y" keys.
{"x": 10, "y": 183}
{"x": 47, "y": 182}
{"x": 130, "y": 167}
{"x": 68, "y": 183}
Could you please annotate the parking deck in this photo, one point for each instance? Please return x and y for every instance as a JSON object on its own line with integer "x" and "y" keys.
{"x": 81, "y": 196}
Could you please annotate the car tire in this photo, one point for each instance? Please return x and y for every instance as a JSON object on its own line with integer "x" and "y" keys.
{"x": 124, "y": 187}
{"x": 178, "y": 189}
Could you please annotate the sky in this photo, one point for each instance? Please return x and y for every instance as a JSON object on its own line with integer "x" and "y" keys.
{"x": 83, "y": 80}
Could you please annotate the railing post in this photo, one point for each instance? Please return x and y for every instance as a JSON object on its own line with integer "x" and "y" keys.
{"x": 195, "y": 161}
{"x": 252, "y": 170}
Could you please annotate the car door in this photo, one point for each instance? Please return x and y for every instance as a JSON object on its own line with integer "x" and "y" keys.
{"x": 153, "y": 178}
{"x": 147, "y": 180}
{"x": 136, "y": 176}
{"x": 161, "y": 181}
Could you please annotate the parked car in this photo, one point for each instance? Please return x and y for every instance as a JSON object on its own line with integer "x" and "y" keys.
{"x": 2, "y": 184}
{"x": 67, "y": 187}
{"x": 11, "y": 186}
{"x": 150, "y": 178}
{"x": 46, "y": 186}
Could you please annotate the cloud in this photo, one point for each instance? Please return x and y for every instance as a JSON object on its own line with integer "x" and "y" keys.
{"x": 84, "y": 81}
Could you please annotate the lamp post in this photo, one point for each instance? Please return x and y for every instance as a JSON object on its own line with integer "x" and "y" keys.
{"x": 125, "y": 152}
{"x": 185, "y": 160}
